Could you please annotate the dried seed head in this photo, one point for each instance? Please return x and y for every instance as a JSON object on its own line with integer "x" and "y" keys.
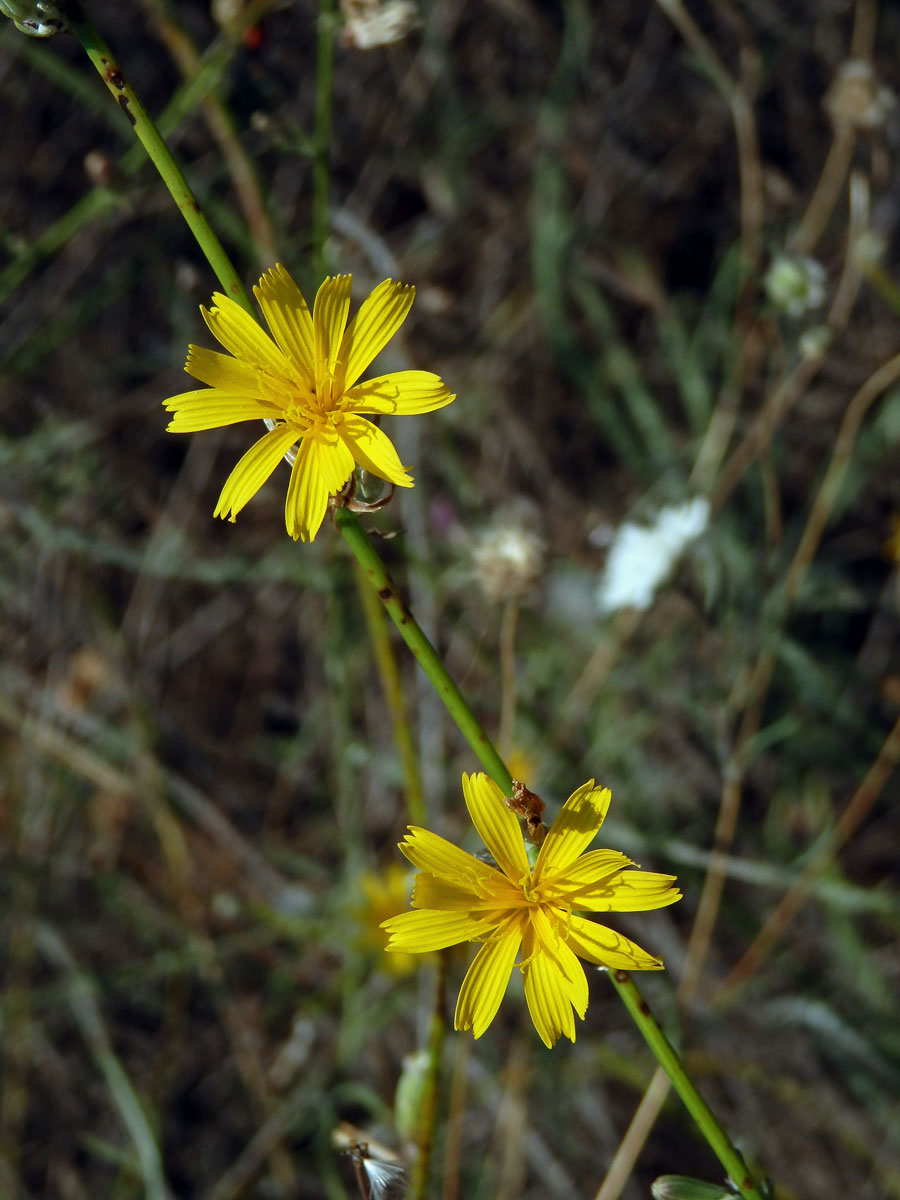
{"x": 380, "y": 1172}
{"x": 99, "y": 168}
{"x": 508, "y": 556}
{"x": 857, "y": 99}
{"x": 227, "y": 13}
{"x": 372, "y": 23}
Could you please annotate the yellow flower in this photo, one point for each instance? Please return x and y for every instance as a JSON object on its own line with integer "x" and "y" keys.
{"x": 304, "y": 381}
{"x": 458, "y": 898}
{"x": 382, "y": 894}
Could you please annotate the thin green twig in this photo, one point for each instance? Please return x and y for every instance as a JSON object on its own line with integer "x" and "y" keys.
{"x": 392, "y": 686}
{"x": 322, "y": 158}
{"x": 664, "y": 1052}
{"x": 422, "y": 650}
{"x": 159, "y": 153}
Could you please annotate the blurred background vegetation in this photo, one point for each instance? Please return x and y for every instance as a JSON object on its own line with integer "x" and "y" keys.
{"x": 608, "y": 211}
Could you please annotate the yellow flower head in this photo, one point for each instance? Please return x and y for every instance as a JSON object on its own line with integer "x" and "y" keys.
{"x": 457, "y": 898}
{"x": 304, "y": 379}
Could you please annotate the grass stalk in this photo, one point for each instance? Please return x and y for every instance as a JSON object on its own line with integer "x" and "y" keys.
{"x": 86, "y": 1012}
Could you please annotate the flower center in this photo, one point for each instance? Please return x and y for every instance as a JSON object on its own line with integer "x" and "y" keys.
{"x": 305, "y": 407}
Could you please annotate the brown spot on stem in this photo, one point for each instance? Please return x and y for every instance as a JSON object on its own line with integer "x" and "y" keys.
{"x": 621, "y": 976}
{"x": 115, "y": 78}
{"x": 385, "y": 593}
{"x": 123, "y": 104}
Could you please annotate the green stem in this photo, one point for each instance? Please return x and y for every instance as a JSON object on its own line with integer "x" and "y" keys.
{"x": 427, "y": 1124}
{"x": 160, "y": 155}
{"x": 664, "y": 1052}
{"x": 422, "y": 650}
{"x": 322, "y": 152}
{"x": 392, "y": 686}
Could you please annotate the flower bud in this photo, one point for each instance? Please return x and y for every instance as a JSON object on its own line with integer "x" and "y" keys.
{"x": 38, "y": 18}
{"x": 856, "y": 98}
{"x": 508, "y": 556}
{"x": 682, "y": 1187}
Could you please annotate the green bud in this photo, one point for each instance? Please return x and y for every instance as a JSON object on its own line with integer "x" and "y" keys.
{"x": 38, "y": 18}
{"x": 410, "y": 1094}
{"x": 682, "y": 1187}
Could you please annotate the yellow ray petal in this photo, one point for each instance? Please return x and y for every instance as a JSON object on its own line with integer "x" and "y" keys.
{"x": 434, "y": 891}
{"x": 379, "y": 317}
{"x": 223, "y": 371}
{"x": 373, "y": 449}
{"x": 243, "y": 337}
{"x": 329, "y": 321}
{"x": 589, "y": 870}
{"x": 548, "y": 992}
{"x": 404, "y": 392}
{"x": 287, "y": 313}
{"x": 423, "y": 930}
{"x": 307, "y": 497}
{"x": 431, "y": 891}
{"x": 209, "y": 408}
{"x": 601, "y": 945}
{"x": 254, "y": 469}
{"x": 629, "y": 891}
{"x": 435, "y": 855}
{"x": 548, "y": 937}
{"x": 322, "y": 467}
{"x": 486, "y": 980}
{"x": 335, "y": 460}
{"x": 497, "y": 827}
{"x": 573, "y": 830}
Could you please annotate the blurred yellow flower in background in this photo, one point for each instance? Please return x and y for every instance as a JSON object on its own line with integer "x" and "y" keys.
{"x": 457, "y": 898}
{"x": 892, "y": 545}
{"x": 383, "y": 892}
{"x": 304, "y": 381}
{"x": 522, "y": 764}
